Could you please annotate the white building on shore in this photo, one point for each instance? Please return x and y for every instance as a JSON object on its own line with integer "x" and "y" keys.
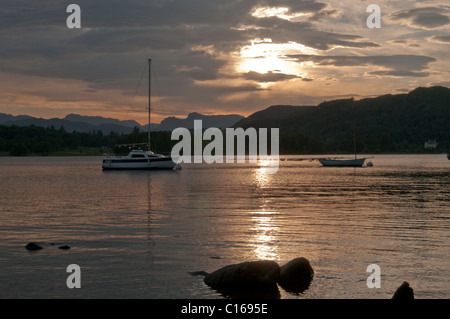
{"x": 430, "y": 144}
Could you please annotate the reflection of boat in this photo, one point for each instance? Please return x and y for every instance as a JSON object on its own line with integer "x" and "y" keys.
{"x": 356, "y": 162}
{"x": 139, "y": 159}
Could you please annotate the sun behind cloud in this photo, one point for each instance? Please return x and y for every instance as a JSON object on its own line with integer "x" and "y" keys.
{"x": 263, "y": 56}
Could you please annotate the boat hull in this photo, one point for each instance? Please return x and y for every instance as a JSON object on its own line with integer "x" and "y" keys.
{"x": 348, "y": 163}
{"x": 138, "y": 164}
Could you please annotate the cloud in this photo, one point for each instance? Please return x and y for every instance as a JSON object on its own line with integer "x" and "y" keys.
{"x": 422, "y": 18}
{"x": 443, "y": 83}
{"x": 399, "y": 73}
{"x": 283, "y": 31}
{"x": 197, "y": 49}
{"x": 395, "y": 65}
{"x": 439, "y": 39}
{"x": 305, "y": 6}
{"x": 268, "y": 77}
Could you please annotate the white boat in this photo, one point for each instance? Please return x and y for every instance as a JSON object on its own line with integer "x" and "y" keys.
{"x": 356, "y": 162}
{"x": 139, "y": 159}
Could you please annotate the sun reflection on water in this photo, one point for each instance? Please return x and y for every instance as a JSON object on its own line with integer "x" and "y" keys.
{"x": 264, "y": 173}
{"x": 265, "y": 229}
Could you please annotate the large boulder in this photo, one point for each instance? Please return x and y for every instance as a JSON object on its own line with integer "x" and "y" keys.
{"x": 256, "y": 279}
{"x": 296, "y": 275}
{"x": 404, "y": 292}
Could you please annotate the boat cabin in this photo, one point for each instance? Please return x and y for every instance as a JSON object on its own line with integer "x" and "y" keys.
{"x": 142, "y": 154}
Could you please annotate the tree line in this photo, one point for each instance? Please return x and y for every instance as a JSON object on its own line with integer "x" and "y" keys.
{"x": 34, "y": 140}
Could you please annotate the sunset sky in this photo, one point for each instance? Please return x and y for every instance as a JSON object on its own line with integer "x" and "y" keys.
{"x": 214, "y": 56}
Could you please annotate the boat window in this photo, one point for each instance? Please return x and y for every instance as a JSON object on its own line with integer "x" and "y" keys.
{"x": 137, "y": 156}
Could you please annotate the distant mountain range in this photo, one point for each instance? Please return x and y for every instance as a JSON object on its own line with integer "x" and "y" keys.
{"x": 387, "y": 123}
{"x": 219, "y": 121}
{"x": 80, "y": 123}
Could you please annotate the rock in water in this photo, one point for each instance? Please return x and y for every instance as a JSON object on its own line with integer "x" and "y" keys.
{"x": 255, "y": 279}
{"x": 33, "y": 246}
{"x": 253, "y": 274}
{"x": 296, "y": 275}
{"x": 404, "y": 292}
{"x": 65, "y": 247}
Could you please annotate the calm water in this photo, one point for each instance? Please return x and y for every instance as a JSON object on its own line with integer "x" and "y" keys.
{"x": 138, "y": 234}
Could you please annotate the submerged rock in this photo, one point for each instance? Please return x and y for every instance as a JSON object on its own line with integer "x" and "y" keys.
{"x": 246, "y": 280}
{"x": 65, "y": 247}
{"x": 33, "y": 246}
{"x": 296, "y": 275}
{"x": 404, "y": 292}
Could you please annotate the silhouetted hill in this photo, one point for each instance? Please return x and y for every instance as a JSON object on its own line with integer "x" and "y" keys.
{"x": 98, "y": 120}
{"x": 69, "y": 126}
{"x": 219, "y": 121}
{"x": 385, "y": 123}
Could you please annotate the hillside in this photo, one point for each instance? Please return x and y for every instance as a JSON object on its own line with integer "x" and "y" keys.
{"x": 388, "y": 123}
{"x": 385, "y": 124}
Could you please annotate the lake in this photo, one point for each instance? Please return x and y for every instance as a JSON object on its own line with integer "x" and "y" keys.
{"x": 138, "y": 234}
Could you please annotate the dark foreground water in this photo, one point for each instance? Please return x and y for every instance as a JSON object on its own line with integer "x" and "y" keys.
{"x": 138, "y": 234}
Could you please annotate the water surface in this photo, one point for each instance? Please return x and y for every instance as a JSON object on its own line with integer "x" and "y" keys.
{"x": 138, "y": 234}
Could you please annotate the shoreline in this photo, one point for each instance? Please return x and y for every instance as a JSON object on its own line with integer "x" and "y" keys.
{"x": 93, "y": 153}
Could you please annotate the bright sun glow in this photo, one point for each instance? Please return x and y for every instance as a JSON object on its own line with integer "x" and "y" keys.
{"x": 279, "y": 12}
{"x": 263, "y": 56}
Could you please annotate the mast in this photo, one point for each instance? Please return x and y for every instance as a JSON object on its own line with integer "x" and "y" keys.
{"x": 149, "y": 104}
{"x": 354, "y": 139}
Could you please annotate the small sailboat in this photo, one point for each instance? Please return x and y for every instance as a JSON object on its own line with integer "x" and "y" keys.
{"x": 139, "y": 159}
{"x": 356, "y": 162}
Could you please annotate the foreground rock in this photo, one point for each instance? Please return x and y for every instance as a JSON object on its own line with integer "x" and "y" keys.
{"x": 404, "y": 292}
{"x": 296, "y": 275}
{"x": 38, "y": 246}
{"x": 255, "y": 279}
{"x": 34, "y": 246}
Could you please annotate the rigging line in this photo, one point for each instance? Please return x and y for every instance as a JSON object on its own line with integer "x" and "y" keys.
{"x": 362, "y": 139}
{"x": 137, "y": 89}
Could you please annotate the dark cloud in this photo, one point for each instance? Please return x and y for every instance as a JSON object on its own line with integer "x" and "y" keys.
{"x": 117, "y": 36}
{"x": 119, "y": 13}
{"x": 397, "y": 65}
{"x": 398, "y": 73}
{"x": 428, "y": 18}
{"x": 440, "y": 38}
{"x": 110, "y": 50}
{"x": 282, "y": 31}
